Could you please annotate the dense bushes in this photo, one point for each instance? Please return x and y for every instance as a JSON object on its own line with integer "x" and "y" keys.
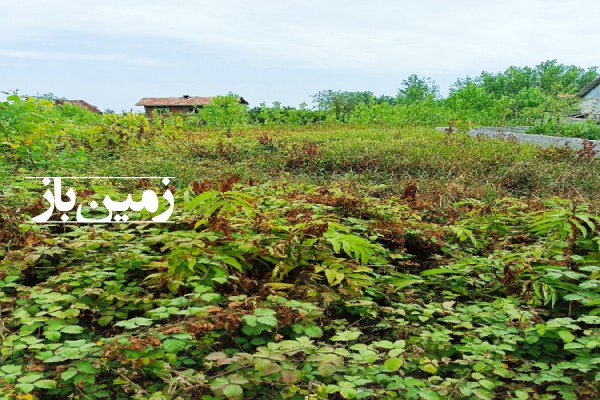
{"x": 35, "y": 132}
{"x": 306, "y": 262}
{"x": 293, "y": 291}
{"x": 588, "y": 130}
{"x": 31, "y": 132}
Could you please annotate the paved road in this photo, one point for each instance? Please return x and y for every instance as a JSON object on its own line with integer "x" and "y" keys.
{"x": 518, "y": 133}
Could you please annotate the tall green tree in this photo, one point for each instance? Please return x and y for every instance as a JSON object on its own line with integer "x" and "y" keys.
{"x": 341, "y": 103}
{"x": 224, "y": 112}
{"x": 415, "y": 89}
{"x": 549, "y": 77}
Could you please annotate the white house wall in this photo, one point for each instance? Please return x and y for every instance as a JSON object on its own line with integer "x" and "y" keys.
{"x": 591, "y": 101}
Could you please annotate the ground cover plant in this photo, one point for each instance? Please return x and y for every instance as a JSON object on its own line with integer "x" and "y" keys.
{"x": 313, "y": 261}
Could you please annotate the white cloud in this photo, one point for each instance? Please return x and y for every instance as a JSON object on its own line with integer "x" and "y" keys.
{"x": 71, "y": 56}
{"x": 378, "y": 36}
{"x": 279, "y": 50}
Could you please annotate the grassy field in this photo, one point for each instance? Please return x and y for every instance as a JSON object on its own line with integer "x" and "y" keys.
{"x": 445, "y": 167}
{"x": 311, "y": 263}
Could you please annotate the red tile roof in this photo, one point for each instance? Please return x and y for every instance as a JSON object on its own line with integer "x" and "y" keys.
{"x": 81, "y": 103}
{"x": 174, "y": 101}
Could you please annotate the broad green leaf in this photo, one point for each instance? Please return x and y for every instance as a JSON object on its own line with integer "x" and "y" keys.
{"x": 566, "y": 335}
{"x": 521, "y": 395}
{"x": 233, "y": 392}
{"x": 261, "y": 312}
{"x": 313, "y": 331}
{"x": 134, "y": 323}
{"x": 429, "y": 368}
{"x": 346, "y": 336}
{"x": 72, "y": 329}
{"x": 52, "y": 336}
{"x": 174, "y": 345}
{"x": 25, "y": 387}
{"x": 45, "y": 384}
{"x": 327, "y": 368}
{"x": 393, "y": 364}
{"x": 267, "y": 320}
{"x": 68, "y": 374}
{"x": 489, "y": 385}
{"x": 30, "y": 377}
{"x": 87, "y": 367}
{"x": 11, "y": 369}
{"x": 348, "y": 392}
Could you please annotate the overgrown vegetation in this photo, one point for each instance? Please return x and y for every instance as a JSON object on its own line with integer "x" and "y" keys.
{"x": 307, "y": 262}
{"x": 518, "y": 96}
{"x": 587, "y": 130}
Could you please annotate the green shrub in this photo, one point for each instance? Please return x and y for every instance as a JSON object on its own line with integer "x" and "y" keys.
{"x": 588, "y": 130}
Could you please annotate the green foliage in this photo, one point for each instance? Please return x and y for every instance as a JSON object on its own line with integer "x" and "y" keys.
{"x": 588, "y": 130}
{"x": 224, "y": 112}
{"x": 293, "y": 291}
{"x": 549, "y": 77}
{"x": 415, "y": 89}
{"x": 32, "y": 134}
{"x": 520, "y": 96}
{"x": 36, "y": 134}
{"x": 117, "y": 132}
{"x": 77, "y": 114}
{"x": 279, "y": 115}
{"x": 340, "y": 263}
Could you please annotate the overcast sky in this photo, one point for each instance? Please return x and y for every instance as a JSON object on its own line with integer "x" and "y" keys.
{"x": 112, "y": 53}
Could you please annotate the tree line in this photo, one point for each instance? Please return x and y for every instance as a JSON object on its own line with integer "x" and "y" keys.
{"x": 518, "y": 95}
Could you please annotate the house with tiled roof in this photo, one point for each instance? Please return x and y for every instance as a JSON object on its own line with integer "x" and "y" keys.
{"x": 184, "y": 104}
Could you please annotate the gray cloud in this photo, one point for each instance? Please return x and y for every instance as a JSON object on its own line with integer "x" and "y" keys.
{"x": 381, "y": 35}
{"x": 70, "y": 56}
{"x": 354, "y": 38}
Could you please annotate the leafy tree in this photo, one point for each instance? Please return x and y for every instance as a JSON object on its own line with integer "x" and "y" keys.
{"x": 386, "y": 99}
{"x": 549, "y": 77}
{"x": 224, "y": 112}
{"x": 556, "y": 78}
{"x": 277, "y": 114}
{"x": 341, "y": 103}
{"x": 523, "y": 95}
{"x": 470, "y": 98}
{"x": 461, "y": 83}
{"x": 415, "y": 89}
